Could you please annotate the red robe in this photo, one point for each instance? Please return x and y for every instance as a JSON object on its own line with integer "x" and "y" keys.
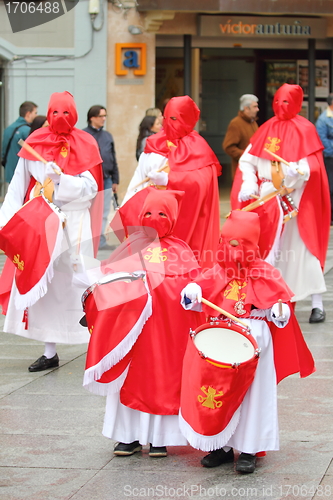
{"x": 297, "y": 139}
{"x": 194, "y": 168}
{"x": 74, "y": 151}
{"x": 153, "y": 380}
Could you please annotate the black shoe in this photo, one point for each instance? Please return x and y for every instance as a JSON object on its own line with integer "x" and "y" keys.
{"x": 158, "y": 451}
{"x": 246, "y": 463}
{"x": 317, "y": 315}
{"x": 124, "y": 449}
{"x": 44, "y": 363}
{"x": 218, "y": 457}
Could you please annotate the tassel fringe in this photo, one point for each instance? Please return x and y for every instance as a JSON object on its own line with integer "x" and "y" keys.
{"x": 107, "y": 389}
{"x": 95, "y": 372}
{"x": 209, "y": 443}
{"x": 40, "y": 289}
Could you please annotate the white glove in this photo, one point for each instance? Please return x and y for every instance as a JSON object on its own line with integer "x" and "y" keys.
{"x": 292, "y": 169}
{"x": 280, "y": 320}
{"x": 51, "y": 170}
{"x": 245, "y": 194}
{"x": 158, "y": 178}
{"x": 193, "y": 293}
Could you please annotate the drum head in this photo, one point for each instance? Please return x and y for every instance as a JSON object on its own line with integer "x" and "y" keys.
{"x": 224, "y": 345}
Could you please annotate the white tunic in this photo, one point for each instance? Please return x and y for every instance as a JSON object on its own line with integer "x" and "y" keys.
{"x": 55, "y": 317}
{"x": 300, "y": 269}
{"x": 147, "y": 162}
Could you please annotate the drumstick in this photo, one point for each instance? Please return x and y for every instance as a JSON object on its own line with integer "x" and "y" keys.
{"x": 34, "y": 153}
{"x": 222, "y": 311}
{"x": 280, "y": 307}
{"x": 148, "y": 178}
{"x": 281, "y": 160}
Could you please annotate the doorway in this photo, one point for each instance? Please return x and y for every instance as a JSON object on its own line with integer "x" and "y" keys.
{"x": 225, "y": 76}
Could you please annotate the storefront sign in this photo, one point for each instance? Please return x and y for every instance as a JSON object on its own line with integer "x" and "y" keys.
{"x": 131, "y": 57}
{"x": 277, "y": 27}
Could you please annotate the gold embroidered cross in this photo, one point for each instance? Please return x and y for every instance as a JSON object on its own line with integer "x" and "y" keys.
{"x": 209, "y": 401}
{"x": 18, "y": 263}
{"x": 156, "y": 255}
{"x": 273, "y": 145}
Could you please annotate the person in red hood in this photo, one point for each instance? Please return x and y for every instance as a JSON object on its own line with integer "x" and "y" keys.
{"x": 191, "y": 167}
{"x": 141, "y": 373}
{"x": 71, "y": 180}
{"x": 299, "y": 246}
{"x": 249, "y": 288}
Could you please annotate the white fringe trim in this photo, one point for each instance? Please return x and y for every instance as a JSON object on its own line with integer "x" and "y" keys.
{"x": 39, "y": 290}
{"x": 273, "y": 254}
{"x": 209, "y": 443}
{"x": 119, "y": 352}
{"x": 107, "y": 389}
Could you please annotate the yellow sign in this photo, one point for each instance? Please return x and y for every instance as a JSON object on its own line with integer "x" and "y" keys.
{"x": 131, "y": 56}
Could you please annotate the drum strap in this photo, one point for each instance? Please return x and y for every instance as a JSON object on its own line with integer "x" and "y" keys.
{"x": 47, "y": 189}
{"x": 277, "y": 174}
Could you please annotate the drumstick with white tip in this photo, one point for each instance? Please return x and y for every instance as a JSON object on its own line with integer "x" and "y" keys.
{"x": 34, "y": 153}
{"x": 222, "y": 311}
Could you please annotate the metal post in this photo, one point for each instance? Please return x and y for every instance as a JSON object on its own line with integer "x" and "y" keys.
{"x": 311, "y": 78}
{"x": 187, "y": 64}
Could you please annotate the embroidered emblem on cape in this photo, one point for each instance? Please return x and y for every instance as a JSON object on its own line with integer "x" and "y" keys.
{"x": 273, "y": 145}
{"x": 171, "y": 144}
{"x": 239, "y": 307}
{"x": 91, "y": 330}
{"x": 209, "y": 401}
{"x": 233, "y": 293}
{"x": 64, "y": 151}
{"x": 18, "y": 263}
{"x": 156, "y": 256}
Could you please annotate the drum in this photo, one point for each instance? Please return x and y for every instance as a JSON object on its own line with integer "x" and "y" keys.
{"x": 219, "y": 366}
{"x": 32, "y": 240}
{"x": 116, "y": 309}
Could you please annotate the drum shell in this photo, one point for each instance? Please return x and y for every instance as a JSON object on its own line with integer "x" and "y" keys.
{"x": 227, "y": 384}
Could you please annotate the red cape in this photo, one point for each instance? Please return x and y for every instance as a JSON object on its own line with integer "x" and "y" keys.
{"x": 191, "y": 152}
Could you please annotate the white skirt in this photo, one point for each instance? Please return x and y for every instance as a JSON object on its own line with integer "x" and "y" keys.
{"x": 300, "y": 269}
{"x": 126, "y": 425}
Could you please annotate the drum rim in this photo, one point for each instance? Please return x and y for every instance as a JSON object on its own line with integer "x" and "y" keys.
{"x": 91, "y": 288}
{"x": 230, "y": 326}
